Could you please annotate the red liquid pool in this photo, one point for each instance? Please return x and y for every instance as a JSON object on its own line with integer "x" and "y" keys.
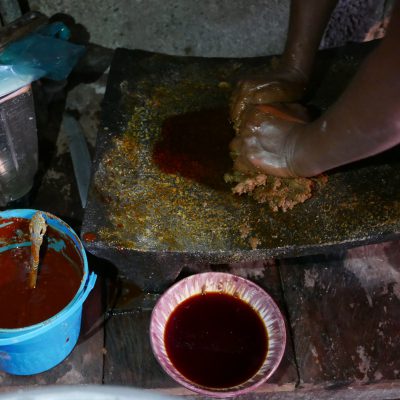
{"x": 216, "y": 340}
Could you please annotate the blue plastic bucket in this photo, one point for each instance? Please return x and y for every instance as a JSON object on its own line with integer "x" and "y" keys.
{"x": 37, "y": 348}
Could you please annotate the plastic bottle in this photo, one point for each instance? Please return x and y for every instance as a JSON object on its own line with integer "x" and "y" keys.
{"x": 18, "y": 144}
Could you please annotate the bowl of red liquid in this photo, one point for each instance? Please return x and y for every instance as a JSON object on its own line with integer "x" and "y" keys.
{"x": 217, "y": 334}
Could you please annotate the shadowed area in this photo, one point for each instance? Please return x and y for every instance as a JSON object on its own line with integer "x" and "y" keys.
{"x": 196, "y": 146}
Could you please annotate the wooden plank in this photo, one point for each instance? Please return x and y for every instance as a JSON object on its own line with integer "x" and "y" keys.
{"x": 84, "y": 365}
{"x": 269, "y": 279}
{"x": 129, "y": 359}
{"x": 345, "y": 315}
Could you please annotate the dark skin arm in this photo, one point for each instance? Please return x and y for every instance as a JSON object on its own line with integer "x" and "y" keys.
{"x": 288, "y": 83}
{"x": 307, "y": 23}
{"x": 363, "y": 122}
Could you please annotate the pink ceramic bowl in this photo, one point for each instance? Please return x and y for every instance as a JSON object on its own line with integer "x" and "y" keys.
{"x": 229, "y": 284}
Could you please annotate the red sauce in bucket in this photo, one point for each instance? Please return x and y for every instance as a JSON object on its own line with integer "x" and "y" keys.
{"x": 59, "y": 276}
{"x": 216, "y": 340}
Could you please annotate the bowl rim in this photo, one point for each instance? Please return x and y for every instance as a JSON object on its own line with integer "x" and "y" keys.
{"x": 230, "y": 391}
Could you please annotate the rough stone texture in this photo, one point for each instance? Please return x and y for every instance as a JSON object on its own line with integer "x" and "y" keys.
{"x": 84, "y": 100}
{"x": 144, "y": 90}
{"x": 9, "y": 11}
{"x": 243, "y": 28}
{"x": 202, "y": 28}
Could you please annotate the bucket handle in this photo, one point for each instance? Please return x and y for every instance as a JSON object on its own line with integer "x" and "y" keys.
{"x": 78, "y": 303}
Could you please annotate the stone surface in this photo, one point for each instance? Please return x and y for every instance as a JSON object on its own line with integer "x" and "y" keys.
{"x": 202, "y": 28}
{"x": 150, "y": 220}
{"x": 243, "y": 28}
{"x": 9, "y": 11}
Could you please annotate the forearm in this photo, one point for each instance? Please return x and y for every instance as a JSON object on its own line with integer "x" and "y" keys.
{"x": 308, "y": 19}
{"x": 363, "y": 122}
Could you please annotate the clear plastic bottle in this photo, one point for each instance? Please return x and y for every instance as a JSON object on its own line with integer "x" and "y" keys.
{"x": 18, "y": 145}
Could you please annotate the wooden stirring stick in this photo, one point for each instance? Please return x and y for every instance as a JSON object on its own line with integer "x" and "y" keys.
{"x": 37, "y": 229}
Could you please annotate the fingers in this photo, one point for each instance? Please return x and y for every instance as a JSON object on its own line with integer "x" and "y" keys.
{"x": 258, "y": 146}
{"x": 250, "y": 122}
{"x": 251, "y": 93}
{"x": 261, "y": 162}
{"x": 249, "y": 154}
{"x": 241, "y": 164}
{"x": 239, "y": 101}
{"x": 242, "y": 149}
{"x": 268, "y": 125}
{"x": 290, "y": 112}
{"x": 264, "y": 92}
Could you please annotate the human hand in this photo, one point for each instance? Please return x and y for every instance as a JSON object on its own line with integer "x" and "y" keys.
{"x": 266, "y": 138}
{"x": 273, "y": 87}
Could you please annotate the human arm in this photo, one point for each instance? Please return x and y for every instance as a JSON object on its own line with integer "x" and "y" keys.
{"x": 308, "y": 19}
{"x": 364, "y": 121}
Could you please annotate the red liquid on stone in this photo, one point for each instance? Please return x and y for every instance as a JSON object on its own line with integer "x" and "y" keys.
{"x": 59, "y": 278}
{"x": 89, "y": 237}
{"x": 196, "y": 146}
{"x": 216, "y": 340}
